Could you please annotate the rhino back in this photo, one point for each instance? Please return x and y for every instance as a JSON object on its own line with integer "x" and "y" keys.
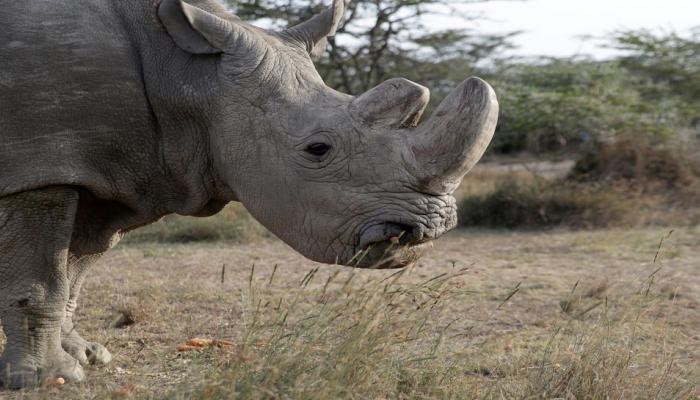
{"x": 73, "y": 109}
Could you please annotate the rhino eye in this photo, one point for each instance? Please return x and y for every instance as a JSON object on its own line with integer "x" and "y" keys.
{"x": 318, "y": 149}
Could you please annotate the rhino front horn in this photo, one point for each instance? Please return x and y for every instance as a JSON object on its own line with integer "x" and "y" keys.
{"x": 448, "y": 145}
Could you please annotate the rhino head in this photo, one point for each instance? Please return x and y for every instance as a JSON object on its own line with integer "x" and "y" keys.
{"x": 342, "y": 179}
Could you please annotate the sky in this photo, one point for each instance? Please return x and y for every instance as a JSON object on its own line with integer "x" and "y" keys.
{"x": 555, "y": 27}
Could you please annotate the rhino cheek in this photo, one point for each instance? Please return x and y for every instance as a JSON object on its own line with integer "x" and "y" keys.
{"x": 300, "y": 222}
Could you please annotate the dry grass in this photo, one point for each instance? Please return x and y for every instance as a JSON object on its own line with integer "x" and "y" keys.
{"x": 486, "y": 315}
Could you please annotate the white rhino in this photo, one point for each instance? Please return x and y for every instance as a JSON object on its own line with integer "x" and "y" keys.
{"x": 115, "y": 113}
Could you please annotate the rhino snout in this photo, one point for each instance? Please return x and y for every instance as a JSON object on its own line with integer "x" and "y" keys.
{"x": 395, "y": 244}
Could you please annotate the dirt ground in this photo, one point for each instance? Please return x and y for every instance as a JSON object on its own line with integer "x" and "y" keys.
{"x": 173, "y": 292}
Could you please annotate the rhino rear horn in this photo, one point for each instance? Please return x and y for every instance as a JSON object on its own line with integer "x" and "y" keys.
{"x": 395, "y": 103}
{"x": 312, "y": 33}
{"x": 200, "y": 32}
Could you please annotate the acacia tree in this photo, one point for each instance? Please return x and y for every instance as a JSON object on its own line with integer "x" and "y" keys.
{"x": 667, "y": 68}
{"x": 652, "y": 89}
{"x": 386, "y": 38}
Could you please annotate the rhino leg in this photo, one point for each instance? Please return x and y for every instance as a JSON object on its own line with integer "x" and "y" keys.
{"x": 35, "y": 234}
{"x": 82, "y": 350}
{"x": 97, "y": 229}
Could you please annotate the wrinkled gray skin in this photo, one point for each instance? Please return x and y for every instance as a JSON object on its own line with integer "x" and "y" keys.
{"x": 115, "y": 113}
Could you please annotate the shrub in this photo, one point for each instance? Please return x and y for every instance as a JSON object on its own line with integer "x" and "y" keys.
{"x": 638, "y": 160}
{"x": 546, "y": 204}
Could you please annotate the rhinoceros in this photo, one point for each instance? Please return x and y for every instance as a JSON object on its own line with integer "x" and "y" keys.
{"x": 116, "y": 113}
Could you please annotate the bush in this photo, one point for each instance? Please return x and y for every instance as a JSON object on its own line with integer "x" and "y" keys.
{"x": 639, "y": 161}
{"x": 546, "y": 204}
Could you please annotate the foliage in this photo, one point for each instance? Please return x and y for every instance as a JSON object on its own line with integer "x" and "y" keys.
{"x": 544, "y": 204}
{"x": 553, "y": 105}
{"x": 382, "y": 39}
{"x": 625, "y": 181}
{"x": 666, "y": 64}
{"x": 640, "y": 161}
{"x": 652, "y": 91}
{"x": 547, "y": 106}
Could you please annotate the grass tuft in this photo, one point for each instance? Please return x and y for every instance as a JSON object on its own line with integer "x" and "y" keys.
{"x": 612, "y": 356}
{"x": 344, "y": 340}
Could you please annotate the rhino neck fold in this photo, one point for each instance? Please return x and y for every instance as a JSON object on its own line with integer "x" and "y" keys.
{"x": 179, "y": 89}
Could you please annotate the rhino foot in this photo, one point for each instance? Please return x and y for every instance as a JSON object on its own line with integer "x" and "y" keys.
{"x": 23, "y": 374}
{"x": 87, "y": 353}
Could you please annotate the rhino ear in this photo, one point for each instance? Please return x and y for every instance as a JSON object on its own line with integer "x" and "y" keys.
{"x": 312, "y": 33}
{"x": 395, "y": 103}
{"x": 194, "y": 30}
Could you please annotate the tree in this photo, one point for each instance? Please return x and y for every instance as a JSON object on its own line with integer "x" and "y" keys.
{"x": 381, "y": 39}
{"x": 558, "y": 103}
{"x": 667, "y": 66}
{"x": 652, "y": 90}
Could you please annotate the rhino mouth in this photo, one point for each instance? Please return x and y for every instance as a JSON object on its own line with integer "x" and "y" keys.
{"x": 388, "y": 255}
{"x": 390, "y": 245}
